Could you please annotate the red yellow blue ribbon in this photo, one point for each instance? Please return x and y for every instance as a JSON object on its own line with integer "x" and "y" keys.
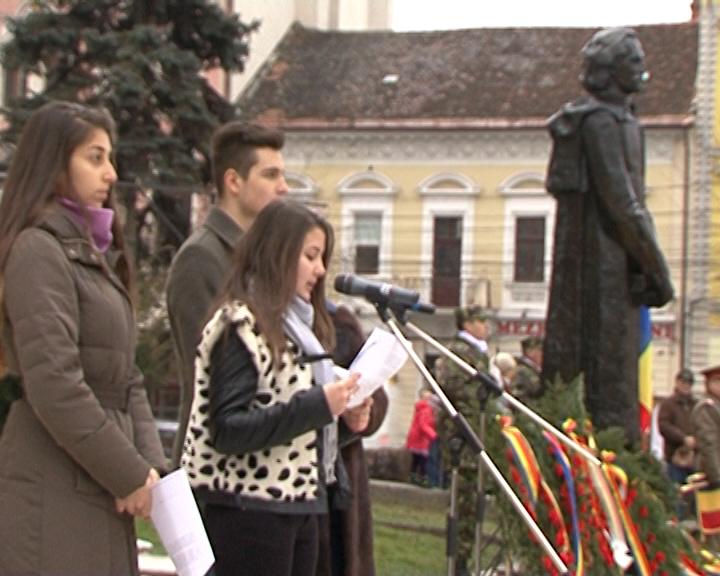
{"x": 536, "y": 488}
{"x": 558, "y": 453}
{"x": 617, "y": 480}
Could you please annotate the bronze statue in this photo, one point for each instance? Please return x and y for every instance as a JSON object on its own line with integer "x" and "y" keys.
{"x": 606, "y": 261}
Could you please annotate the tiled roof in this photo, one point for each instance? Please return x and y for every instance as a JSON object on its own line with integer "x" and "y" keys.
{"x": 460, "y": 78}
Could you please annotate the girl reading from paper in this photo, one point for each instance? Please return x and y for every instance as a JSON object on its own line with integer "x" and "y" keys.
{"x": 261, "y": 448}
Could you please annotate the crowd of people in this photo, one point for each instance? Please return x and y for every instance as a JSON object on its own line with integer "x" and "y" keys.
{"x": 690, "y": 431}
{"x": 273, "y": 452}
{"x": 272, "y": 449}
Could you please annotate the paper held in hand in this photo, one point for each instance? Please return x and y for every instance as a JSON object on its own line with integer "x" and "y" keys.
{"x": 378, "y": 360}
{"x": 177, "y": 521}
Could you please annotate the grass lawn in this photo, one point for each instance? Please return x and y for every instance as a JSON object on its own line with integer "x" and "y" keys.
{"x": 398, "y": 551}
{"x": 409, "y": 540}
{"x": 405, "y": 553}
{"x": 402, "y": 550}
{"x": 146, "y": 531}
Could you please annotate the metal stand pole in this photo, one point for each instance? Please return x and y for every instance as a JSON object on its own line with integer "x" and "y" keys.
{"x": 455, "y": 446}
{"x": 487, "y": 381}
{"x": 509, "y": 398}
{"x": 473, "y": 441}
{"x": 483, "y": 396}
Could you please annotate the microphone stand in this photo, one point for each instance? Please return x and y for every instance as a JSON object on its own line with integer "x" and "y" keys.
{"x": 509, "y": 398}
{"x": 487, "y": 381}
{"x": 469, "y": 435}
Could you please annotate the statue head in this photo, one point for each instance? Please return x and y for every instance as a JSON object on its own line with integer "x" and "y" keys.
{"x": 614, "y": 59}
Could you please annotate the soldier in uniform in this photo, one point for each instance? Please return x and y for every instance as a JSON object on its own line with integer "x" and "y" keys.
{"x": 527, "y": 383}
{"x": 706, "y": 421}
{"x": 469, "y": 344}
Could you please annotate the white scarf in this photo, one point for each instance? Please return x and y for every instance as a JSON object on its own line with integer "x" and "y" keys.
{"x": 298, "y": 322}
{"x": 476, "y": 342}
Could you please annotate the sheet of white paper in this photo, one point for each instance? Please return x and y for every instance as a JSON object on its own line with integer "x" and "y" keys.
{"x": 378, "y": 360}
{"x": 177, "y": 520}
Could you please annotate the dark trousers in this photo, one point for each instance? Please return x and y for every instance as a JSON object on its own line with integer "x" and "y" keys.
{"x": 418, "y": 466}
{"x": 252, "y": 543}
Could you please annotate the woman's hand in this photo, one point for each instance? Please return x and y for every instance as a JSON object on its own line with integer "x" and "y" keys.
{"x": 139, "y": 502}
{"x": 338, "y": 393}
{"x": 358, "y": 418}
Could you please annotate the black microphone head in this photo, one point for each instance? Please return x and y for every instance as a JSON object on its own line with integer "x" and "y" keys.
{"x": 343, "y": 283}
{"x": 424, "y": 307}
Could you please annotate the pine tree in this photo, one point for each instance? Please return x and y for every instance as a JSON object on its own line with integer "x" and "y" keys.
{"x": 144, "y": 61}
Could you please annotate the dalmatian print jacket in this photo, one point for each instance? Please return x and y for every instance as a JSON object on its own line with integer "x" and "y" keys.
{"x": 283, "y": 477}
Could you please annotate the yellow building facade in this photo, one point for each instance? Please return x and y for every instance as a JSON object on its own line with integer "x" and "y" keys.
{"x": 389, "y": 191}
{"x": 428, "y": 152}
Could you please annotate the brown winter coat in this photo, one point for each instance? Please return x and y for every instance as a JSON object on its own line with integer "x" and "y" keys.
{"x": 674, "y": 422}
{"x": 356, "y": 520}
{"x": 356, "y": 532}
{"x": 83, "y": 433}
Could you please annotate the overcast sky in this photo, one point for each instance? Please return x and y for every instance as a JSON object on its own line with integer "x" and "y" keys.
{"x": 447, "y": 14}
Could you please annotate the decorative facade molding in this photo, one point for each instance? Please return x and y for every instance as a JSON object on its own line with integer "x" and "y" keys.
{"x": 302, "y": 187}
{"x": 517, "y": 185}
{"x": 446, "y": 184}
{"x": 696, "y": 315}
{"x": 402, "y": 147}
{"x": 367, "y": 182}
{"x": 383, "y": 147}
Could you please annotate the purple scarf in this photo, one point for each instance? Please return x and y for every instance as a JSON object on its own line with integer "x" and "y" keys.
{"x": 97, "y": 220}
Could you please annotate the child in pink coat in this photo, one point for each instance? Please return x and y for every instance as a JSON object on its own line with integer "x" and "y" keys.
{"x": 421, "y": 434}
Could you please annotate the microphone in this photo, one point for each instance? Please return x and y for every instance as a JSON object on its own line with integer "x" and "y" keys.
{"x": 381, "y": 293}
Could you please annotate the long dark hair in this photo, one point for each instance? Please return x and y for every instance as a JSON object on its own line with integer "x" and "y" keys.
{"x": 47, "y": 141}
{"x": 265, "y": 270}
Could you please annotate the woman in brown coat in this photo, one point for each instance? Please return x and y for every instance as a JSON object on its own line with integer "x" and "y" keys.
{"x": 79, "y": 450}
{"x": 346, "y": 537}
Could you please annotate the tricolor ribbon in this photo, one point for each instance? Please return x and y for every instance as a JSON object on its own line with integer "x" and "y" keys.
{"x": 602, "y": 500}
{"x": 536, "y": 488}
{"x": 526, "y": 463}
{"x": 617, "y": 480}
{"x": 563, "y": 461}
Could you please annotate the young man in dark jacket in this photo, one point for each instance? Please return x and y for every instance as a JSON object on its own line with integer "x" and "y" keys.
{"x": 248, "y": 173}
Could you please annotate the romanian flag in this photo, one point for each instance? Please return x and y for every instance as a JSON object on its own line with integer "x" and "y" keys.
{"x": 708, "y": 510}
{"x": 645, "y": 389}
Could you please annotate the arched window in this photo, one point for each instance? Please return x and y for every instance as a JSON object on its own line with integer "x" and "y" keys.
{"x": 302, "y": 187}
{"x": 366, "y": 223}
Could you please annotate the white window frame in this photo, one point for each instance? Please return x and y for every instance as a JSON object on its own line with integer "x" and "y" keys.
{"x": 365, "y": 199}
{"x": 522, "y": 201}
{"x": 456, "y": 201}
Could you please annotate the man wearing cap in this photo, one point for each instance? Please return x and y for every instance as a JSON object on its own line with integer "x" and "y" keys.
{"x": 527, "y": 384}
{"x": 471, "y": 345}
{"x": 706, "y": 429}
{"x": 676, "y": 428}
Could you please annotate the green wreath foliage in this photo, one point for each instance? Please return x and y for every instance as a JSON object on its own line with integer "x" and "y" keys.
{"x": 652, "y": 496}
